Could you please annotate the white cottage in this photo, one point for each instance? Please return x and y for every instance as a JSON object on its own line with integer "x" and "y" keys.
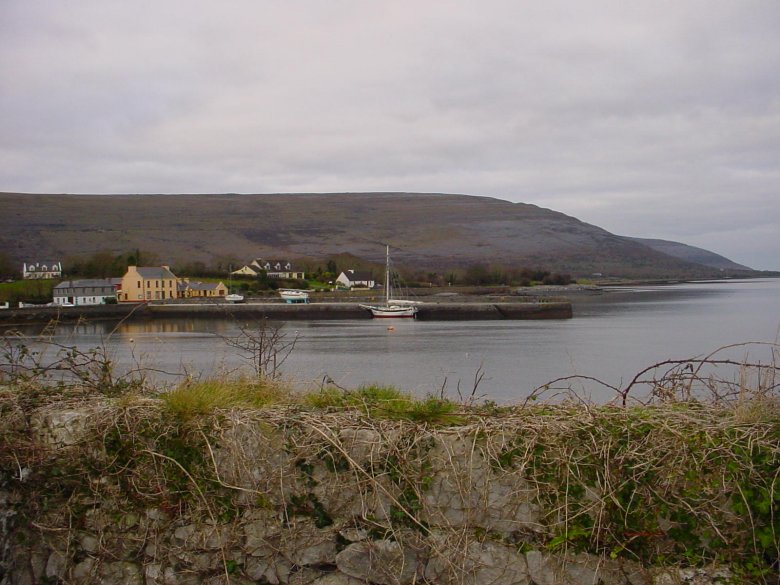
{"x": 273, "y": 269}
{"x": 353, "y": 279}
{"x": 91, "y": 291}
{"x": 40, "y": 270}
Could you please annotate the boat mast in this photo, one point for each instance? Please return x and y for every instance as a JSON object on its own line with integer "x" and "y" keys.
{"x": 387, "y": 275}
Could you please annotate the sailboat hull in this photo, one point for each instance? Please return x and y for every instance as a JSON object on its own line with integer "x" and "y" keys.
{"x": 391, "y": 312}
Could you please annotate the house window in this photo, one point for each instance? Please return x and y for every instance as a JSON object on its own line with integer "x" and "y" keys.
{"x": 139, "y": 284}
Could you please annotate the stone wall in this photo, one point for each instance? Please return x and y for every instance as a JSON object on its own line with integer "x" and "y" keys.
{"x": 536, "y": 309}
{"x": 124, "y": 493}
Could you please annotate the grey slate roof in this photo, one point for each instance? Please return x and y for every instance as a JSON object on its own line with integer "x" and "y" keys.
{"x": 359, "y": 276}
{"x": 88, "y": 283}
{"x": 274, "y": 265}
{"x": 198, "y": 285}
{"x": 150, "y": 272}
{"x": 43, "y": 266}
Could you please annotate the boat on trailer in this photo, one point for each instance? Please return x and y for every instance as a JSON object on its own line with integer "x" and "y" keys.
{"x": 292, "y": 295}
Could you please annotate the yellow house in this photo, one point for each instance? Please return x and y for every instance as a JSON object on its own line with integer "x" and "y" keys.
{"x": 142, "y": 283}
{"x": 203, "y": 290}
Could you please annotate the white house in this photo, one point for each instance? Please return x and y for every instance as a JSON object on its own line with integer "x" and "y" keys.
{"x": 352, "y": 279}
{"x": 38, "y": 270}
{"x": 273, "y": 269}
{"x": 92, "y": 291}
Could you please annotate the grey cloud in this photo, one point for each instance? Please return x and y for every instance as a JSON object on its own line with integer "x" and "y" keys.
{"x": 646, "y": 118}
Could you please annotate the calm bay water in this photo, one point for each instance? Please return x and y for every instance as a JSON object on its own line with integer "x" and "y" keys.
{"x": 611, "y": 337}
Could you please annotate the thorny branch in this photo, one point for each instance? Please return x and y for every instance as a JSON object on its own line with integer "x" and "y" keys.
{"x": 685, "y": 379}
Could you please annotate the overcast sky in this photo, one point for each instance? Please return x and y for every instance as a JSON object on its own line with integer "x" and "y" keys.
{"x": 647, "y": 118}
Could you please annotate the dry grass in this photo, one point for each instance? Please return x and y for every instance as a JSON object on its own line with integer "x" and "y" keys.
{"x": 690, "y": 477}
{"x": 680, "y": 483}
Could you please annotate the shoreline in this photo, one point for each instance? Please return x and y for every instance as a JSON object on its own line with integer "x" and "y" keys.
{"x": 442, "y": 303}
{"x": 477, "y": 310}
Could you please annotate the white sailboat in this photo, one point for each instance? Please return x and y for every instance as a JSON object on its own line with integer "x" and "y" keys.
{"x": 232, "y": 297}
{"x": 392, "y": 307}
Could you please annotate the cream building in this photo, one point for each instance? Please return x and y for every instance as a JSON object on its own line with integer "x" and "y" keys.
{"x": 142, "y": 283}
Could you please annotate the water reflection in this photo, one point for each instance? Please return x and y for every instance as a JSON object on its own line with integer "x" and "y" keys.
{"x": 611, "y": 337}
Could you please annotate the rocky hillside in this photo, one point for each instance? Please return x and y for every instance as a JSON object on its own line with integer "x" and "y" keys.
{"x": 691, "y": 254}
{"x": 429, "y": 231}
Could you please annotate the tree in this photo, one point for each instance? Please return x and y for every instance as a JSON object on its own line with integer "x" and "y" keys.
{"x": 557, "y": 279}
{"x": 142, "y": 258}
{"x": 7, "y": 267}
{"x": 265, "y": 347}
{"x": 101, "y": 264}
{"x": 477, "y": 274}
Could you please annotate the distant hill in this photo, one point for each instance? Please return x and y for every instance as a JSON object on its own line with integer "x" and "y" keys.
{"x": 691, "y": 254}
{"x": 429, "y": 231}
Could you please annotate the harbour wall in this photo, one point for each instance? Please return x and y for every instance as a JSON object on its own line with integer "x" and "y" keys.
{"x": 445, "y": 311}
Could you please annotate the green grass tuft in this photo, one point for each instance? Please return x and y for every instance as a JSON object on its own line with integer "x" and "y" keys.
{"x": 387, "y": 402}
{"x": 204, "y": 397}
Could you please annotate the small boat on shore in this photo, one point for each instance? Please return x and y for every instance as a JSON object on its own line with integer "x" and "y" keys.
{"x": 292, "y": 295}
{"x": 392, "y": 308}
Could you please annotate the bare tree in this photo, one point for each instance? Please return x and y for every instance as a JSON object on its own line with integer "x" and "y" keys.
{"x": 266, "y": 347}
